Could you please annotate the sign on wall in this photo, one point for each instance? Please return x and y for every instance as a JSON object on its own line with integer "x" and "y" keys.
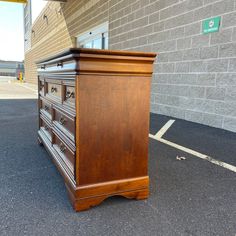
{"x": 211, "y": 25}
{"x": 17, "y": 1}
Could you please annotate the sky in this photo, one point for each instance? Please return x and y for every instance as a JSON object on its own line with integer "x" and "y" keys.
{"x": 37, "y": 6}
{"x": 12, "y": 29}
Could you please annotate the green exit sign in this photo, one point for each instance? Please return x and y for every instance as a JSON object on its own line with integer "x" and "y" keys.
{"x": 211, "y": 25}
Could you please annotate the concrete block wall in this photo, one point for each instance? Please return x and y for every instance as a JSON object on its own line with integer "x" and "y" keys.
{"x": 57, "y": 32}
{"x": 195, "y": 74}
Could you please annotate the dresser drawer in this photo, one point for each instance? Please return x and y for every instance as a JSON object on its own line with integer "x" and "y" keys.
{"x": 65, "y": 122}
{"x": 46, "y": 108}
{"x": 45, "y": 127}
{"x": 69, "y": 95}
{"x": 64, "y": 151}
{"x": 41, "y": 87}
{"x": 54, "y": 90}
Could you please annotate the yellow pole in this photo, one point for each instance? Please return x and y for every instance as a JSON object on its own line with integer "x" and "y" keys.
{"x": 21, "y": 77}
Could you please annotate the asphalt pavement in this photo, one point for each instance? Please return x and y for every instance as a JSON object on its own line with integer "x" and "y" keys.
{"x": 189, "y": 197}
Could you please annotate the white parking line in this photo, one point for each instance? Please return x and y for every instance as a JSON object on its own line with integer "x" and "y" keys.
{"x": 34, "y": 90}
{"x": 161, "y": 132}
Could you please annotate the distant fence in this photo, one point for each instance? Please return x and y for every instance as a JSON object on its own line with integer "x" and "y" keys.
{"x": 14, "y": 73}
{"x": 8, "y": 74}
{"x": 7, "y": 78}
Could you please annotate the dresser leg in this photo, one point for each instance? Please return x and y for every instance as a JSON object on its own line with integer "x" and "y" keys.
{"x": 138, "y": 195}
{"x": 82, "y": 204}
{"x": 85, "y": 204}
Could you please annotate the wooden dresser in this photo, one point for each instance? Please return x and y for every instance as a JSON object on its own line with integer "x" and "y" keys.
{"x": 94, "y": 122}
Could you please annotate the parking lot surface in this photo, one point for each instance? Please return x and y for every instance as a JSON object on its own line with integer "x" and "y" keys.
{"x": 188, "y": 197}
{"x": 12, "y": 89}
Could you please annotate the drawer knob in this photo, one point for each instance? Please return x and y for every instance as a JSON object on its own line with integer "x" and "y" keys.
{"x": 46, "y": 108}
{"x": 70, "y": 95}
{"x": 46, "y": 127}
{"x": 60, "y": 64}
{"x": 62, "y": 148}
{"x": 62, "y": 120}
{"x": 53, "y": 89}
{"x": 43, "y": 67}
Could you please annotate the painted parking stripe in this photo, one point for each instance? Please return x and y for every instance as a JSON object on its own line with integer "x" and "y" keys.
{"x": 162, "y": 131}
{"x": 24, "y": 86}
{"x": 158, "y": 137}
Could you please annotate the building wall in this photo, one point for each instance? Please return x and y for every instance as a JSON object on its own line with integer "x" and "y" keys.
{"x": 27, "y": 25}
{"x": 58, "y": 31}
{"x": 195, "y": 74}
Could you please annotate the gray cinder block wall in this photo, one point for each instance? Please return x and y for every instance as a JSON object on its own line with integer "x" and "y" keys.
{"x": 195, "y": 74}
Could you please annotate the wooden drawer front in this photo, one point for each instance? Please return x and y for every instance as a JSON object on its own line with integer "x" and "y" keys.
{"x": 66, "y": 123}
{"x": 41, "y": 87}
{"x": 70, "y": 95}
{"x": 46, "y": 108}
{"x": 46, "y": 128}
{"x": 54, "y": 90}
{"x": 64, "y": 151}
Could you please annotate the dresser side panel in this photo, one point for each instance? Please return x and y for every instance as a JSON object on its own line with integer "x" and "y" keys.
{"x": 113, "y": 127}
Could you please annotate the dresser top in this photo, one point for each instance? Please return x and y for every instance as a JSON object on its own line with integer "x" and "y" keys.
{"x": 75, "y": 52}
